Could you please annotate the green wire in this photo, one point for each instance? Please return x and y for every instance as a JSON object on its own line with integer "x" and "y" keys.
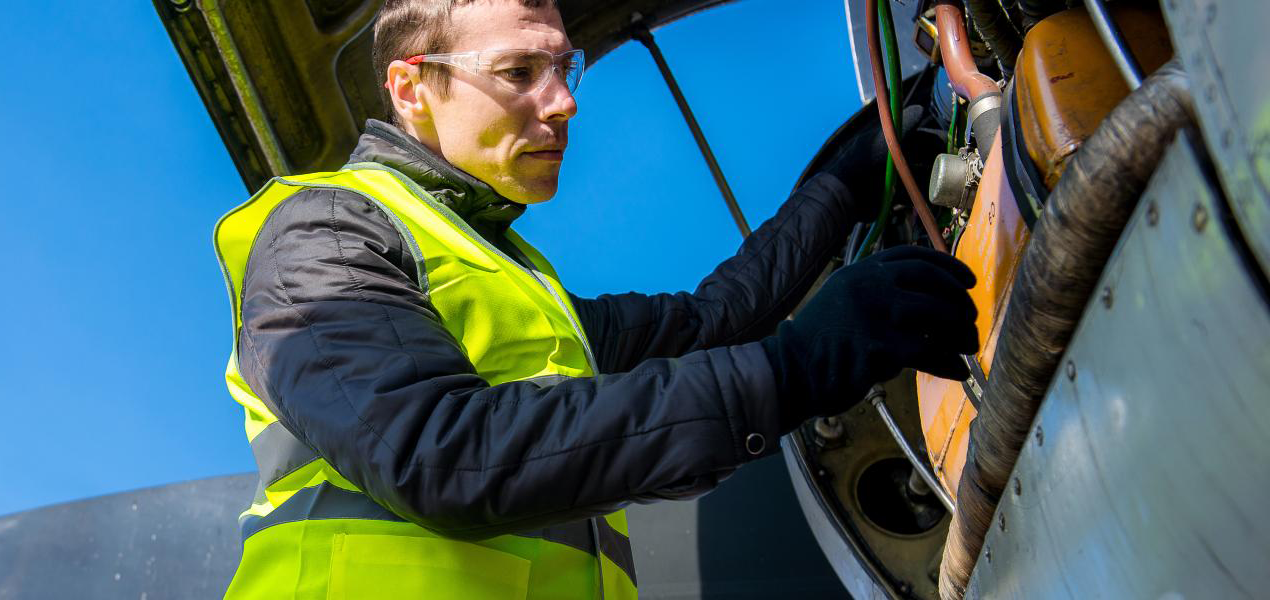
{"x": 893, "y": 75}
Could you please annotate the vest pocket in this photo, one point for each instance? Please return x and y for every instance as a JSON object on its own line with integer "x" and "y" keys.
{"x": 394, "y": 566}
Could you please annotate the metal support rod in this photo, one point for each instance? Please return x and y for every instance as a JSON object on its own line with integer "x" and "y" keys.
{"x": 641, "y": 33}
{"x": 877, "y": 396}
{"x": 1111, "y": 36}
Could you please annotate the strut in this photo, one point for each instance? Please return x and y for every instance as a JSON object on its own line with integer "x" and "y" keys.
{"x": 640, "y": 32}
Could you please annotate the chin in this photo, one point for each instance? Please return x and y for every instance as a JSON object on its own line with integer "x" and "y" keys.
{"x": 531, "y": 194}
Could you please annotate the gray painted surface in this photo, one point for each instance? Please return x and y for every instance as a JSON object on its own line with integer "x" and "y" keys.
{"x": 1147, "y": 472}
{"x": 1224, "y": 47}
{"x": 175, "y": 541}
{"x": 747, "y": 539}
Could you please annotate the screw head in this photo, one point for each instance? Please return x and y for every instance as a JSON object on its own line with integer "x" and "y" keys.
{"x": 1199, "y": 218}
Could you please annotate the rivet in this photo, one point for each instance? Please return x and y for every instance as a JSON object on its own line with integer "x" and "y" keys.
{"x": 1001, "y": 522}
{"x": 829, "y": 428}
{"x": 1199, "y": 218}
{"x": 1040, "y": 436}
{"x": 1071, "y": 371}
{"x": 1106, "y": 297}
{"x": 1018, "y": 487}
{"x": 987, "y": 554}
{"x": 1153, "y": 213}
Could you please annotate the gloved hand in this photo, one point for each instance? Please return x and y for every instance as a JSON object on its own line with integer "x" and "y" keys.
{"x": 903, "y": 307}
{"x": 860, "y": 163}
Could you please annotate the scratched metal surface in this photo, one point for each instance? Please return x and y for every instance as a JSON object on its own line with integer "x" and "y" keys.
{"x": 1146, "y": 475}
{"x": 1224, "y": 46}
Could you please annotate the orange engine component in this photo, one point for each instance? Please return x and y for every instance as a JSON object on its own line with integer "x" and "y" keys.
{"x": 1066, "y": 82}
{"x": 991, "y": 245}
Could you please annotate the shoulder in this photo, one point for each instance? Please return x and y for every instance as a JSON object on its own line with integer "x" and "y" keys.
{"x": 326, "y": 209}
{"x": 339, "y": 227}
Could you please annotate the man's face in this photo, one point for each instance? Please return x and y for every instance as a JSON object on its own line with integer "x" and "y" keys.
{"x": 514, "y": 143}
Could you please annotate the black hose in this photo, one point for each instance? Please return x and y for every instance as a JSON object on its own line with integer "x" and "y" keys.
{"x": 1035, "y": 10}
{"x": 1071, "y": 243}
{"x": 996, "y": 30}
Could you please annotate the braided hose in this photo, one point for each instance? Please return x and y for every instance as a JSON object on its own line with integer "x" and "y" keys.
{"x": 1071, "y": 243}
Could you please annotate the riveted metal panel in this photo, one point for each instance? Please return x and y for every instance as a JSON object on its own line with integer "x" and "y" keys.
{"x": 1146, "y": 472}
{"x": 1225, "y": 49}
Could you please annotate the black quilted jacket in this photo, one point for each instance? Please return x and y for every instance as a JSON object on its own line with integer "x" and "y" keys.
{"x": 340, "y": 341}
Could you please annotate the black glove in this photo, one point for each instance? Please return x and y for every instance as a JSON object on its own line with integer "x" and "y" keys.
{"x": 860, "y": 163}
{"x": 904, "y": 307}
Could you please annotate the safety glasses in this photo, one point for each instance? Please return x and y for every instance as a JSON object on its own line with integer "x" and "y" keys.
{"x": 523, "y": 72}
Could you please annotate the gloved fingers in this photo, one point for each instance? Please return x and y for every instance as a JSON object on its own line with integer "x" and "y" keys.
{"x": 925, "y": 276}
{"x": 935, "y": 360}
{"x": 946, "y": 366}
{"x": 912, "y": 117}
{"x": 946, "y": 262}
{"x": 922, "y": 312}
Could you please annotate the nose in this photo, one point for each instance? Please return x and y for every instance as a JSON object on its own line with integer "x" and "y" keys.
{"x": 556, "y": 101}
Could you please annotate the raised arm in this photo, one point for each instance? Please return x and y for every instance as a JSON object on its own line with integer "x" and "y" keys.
{"x": 339, "y": 340}
{"x": 745, "y": 297}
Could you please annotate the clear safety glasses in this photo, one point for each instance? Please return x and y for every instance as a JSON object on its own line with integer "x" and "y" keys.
{"x": 523, "y": 72}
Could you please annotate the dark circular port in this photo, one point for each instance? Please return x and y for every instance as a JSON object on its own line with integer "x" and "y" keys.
{"x": 889, "y": 502}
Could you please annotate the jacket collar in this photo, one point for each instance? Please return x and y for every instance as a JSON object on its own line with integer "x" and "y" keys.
{"x": 472, "y": 199}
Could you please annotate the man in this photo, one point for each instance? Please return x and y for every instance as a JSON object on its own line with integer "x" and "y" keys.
{"x": 435, "y": 416}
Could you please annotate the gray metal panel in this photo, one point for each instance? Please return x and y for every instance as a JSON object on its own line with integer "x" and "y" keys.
{"x": 1224, "y": 45}
{"x": 1146, "y": 475}
{"x": 175, "y": 541}
{"x": 746, "y": 539}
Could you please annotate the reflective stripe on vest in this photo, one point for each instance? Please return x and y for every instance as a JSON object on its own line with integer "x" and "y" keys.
{"x": 311, "y": 530}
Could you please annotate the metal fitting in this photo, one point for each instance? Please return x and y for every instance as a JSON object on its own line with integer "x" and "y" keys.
{"x": 954, "y": 179}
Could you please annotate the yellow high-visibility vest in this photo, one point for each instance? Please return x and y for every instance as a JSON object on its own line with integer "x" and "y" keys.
{"x": 310, "y": 533}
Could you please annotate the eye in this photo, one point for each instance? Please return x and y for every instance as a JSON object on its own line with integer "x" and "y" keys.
{"x": 516, "y": 74}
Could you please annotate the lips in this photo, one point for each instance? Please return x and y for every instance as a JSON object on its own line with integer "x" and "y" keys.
{"x": 546, "y": 155}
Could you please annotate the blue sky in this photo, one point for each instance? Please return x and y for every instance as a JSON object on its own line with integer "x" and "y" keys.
{"x": 117, "y": 320}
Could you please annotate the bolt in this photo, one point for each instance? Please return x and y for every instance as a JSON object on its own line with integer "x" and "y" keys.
{"x": 1040, "y": 436}
{"x": 1106, "y": 296}
{"x": 1071, "y": 370}
{"x": 987, "y": 554}
{"x": 1018, "y": 487}
{"x": 1001, "y": 522}
{"x": 1199, "y": 218}
{"x": 829, "y": 428}
{"x": 1153, "y": 213}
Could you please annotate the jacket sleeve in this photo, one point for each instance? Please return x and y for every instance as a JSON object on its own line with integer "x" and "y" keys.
{"x": 743, "y": 300}
{"x": 341, "y": 343}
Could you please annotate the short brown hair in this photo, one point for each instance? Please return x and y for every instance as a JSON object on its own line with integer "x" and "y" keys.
{"x": 405, "y": 28}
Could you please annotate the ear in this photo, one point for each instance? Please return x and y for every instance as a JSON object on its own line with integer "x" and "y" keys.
{"x": 406, "y": 92}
